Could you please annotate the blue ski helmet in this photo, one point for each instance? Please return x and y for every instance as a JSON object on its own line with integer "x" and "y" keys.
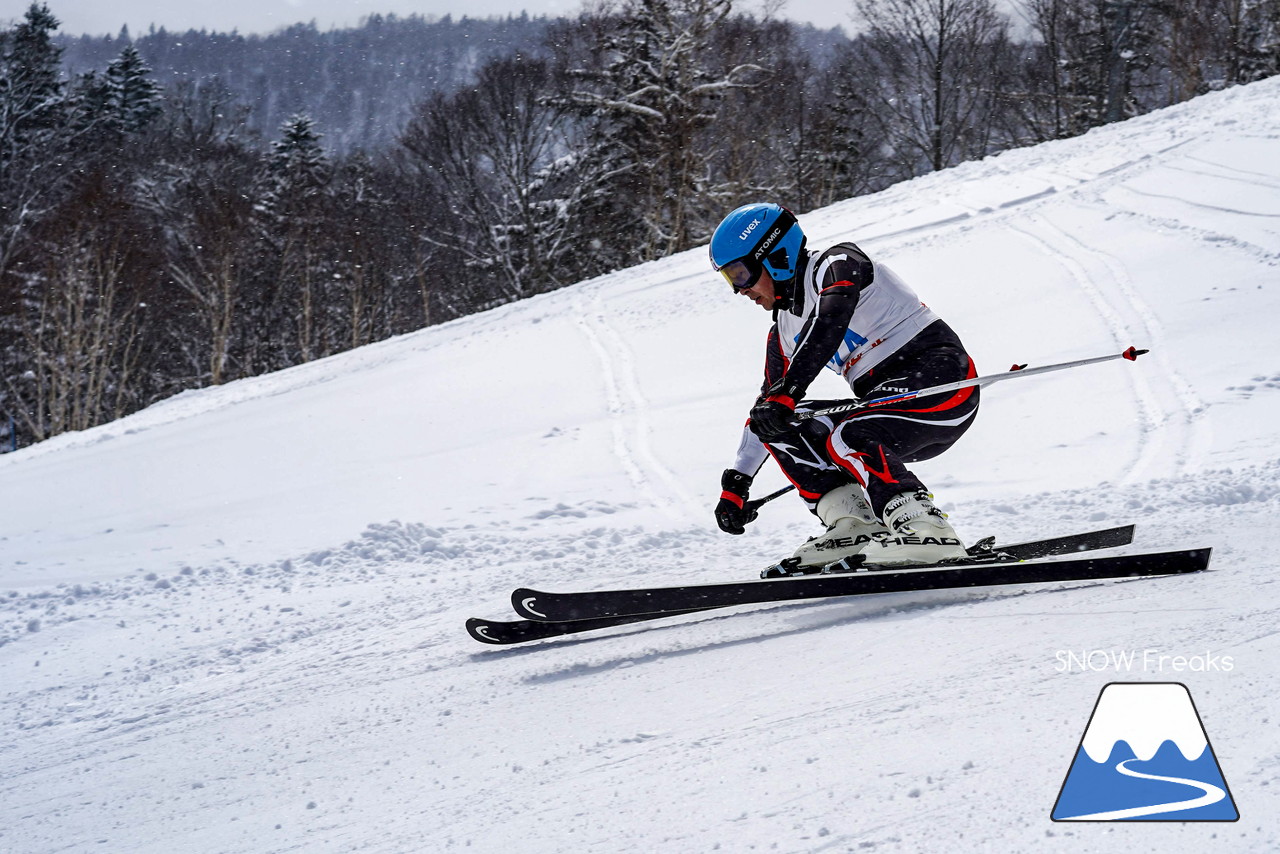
{"x": 756, "y": 237}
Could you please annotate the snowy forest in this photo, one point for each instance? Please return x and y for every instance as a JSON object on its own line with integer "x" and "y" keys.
{"x": 168, "y": 224}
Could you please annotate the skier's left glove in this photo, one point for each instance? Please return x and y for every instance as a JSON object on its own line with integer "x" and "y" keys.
{"x": 732, "y": 514}
{"x": 772, "y": 416}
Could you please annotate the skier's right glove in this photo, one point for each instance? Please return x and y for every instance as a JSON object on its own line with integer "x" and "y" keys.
{"x": 731, "y": 513}
{"x": 772, "y": 416}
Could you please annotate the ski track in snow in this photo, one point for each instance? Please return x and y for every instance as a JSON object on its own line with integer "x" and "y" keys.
{"x": 1195, "y": 204}
{"x": 1169, "y": 410}
{"x": 1168, "y": 431}
{"x": 1248, "y": 177}
{"x": 629, "y": 409}
{"x": 1182, "y": 428}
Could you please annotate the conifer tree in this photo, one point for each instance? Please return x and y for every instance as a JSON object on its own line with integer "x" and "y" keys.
{"x": 31, "y": 88}
{"x": 133, "y": 96}
{"x": 32, "y": 110}
{"x": 295, "y": 204}
{"x": 649, "y": 101}
{"x": 298, "y": 169}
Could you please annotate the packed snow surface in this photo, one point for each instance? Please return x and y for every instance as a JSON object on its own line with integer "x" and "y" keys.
{"x": 234, "y": 622}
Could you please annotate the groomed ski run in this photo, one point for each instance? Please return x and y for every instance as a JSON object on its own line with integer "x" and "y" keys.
{"x": 232, "y": 622}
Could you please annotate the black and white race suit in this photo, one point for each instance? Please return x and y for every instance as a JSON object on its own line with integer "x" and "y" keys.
{"x": 861, "y": 320}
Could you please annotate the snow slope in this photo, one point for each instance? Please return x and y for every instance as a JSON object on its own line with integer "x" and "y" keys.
{"x": 233, "y": 622}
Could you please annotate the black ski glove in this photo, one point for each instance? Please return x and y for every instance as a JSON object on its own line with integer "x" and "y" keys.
{"x": 772, "y": 416}
{"x": 731, "y": 513}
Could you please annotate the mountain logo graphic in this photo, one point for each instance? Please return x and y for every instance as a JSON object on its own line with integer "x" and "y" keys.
{"x": 1145, "y": 757}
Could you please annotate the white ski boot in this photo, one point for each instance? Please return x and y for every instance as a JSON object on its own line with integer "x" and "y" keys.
{"x": 851, "y": 528}
{"x": 920, "y": 533}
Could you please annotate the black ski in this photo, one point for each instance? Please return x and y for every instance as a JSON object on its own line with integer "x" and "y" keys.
{"x": 1105, "y": 538}
{"x": 561, "y": 607}
{"x": 522, "y": 631}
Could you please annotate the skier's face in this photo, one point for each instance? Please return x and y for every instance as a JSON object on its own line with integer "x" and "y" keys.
{"x": 762, "y": 293}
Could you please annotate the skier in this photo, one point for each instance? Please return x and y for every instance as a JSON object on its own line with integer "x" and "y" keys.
{"x": 840, "y": 310}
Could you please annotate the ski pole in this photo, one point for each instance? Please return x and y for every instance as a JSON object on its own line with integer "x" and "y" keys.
{"x": 1016, "y": 371}
{"x": 753, "y": 506}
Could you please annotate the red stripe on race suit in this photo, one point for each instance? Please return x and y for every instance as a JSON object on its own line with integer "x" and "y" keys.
{"x": 804, "y": 493}
{"x": 960, "y": 396}
{"x": 857, "y": 466}
{"x": 834, "y": 285}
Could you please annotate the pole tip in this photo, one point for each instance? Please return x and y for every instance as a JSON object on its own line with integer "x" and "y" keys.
{"x": 1133, "y": 353}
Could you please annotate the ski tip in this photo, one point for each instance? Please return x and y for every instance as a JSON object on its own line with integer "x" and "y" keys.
{"x": 1121, "y": 534}
{"x": 525, "y": 603}
{"x": 1188, "y": 561}
{"x": 479, "y": 630}
{"x": 1118, "y": 536}
{"x": 1133, "y": 353}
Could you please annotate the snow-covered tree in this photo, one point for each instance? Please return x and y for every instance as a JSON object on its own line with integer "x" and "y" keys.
{"x": 197, "y": 193}
{"x": 81, "y": 336}
{"x": 1247, "y": 37}
{"x": 297, "y": 172}
{"x": 295, "y": 204}
{"x": 761, "y": 142}
{"x": 930, "y": 77}
{"x": 1100, "y": 50}
{"x": 134, "y": 97}
{"x": 508, "y": 192}
{"x": 32, "y": 102}
{"x": 845, "y": 153}
{"x": 32, "y": 112}
{"x": 650, "y": 94}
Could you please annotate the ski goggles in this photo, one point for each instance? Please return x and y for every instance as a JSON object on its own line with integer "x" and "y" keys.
{"x": 742, "y": 274}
